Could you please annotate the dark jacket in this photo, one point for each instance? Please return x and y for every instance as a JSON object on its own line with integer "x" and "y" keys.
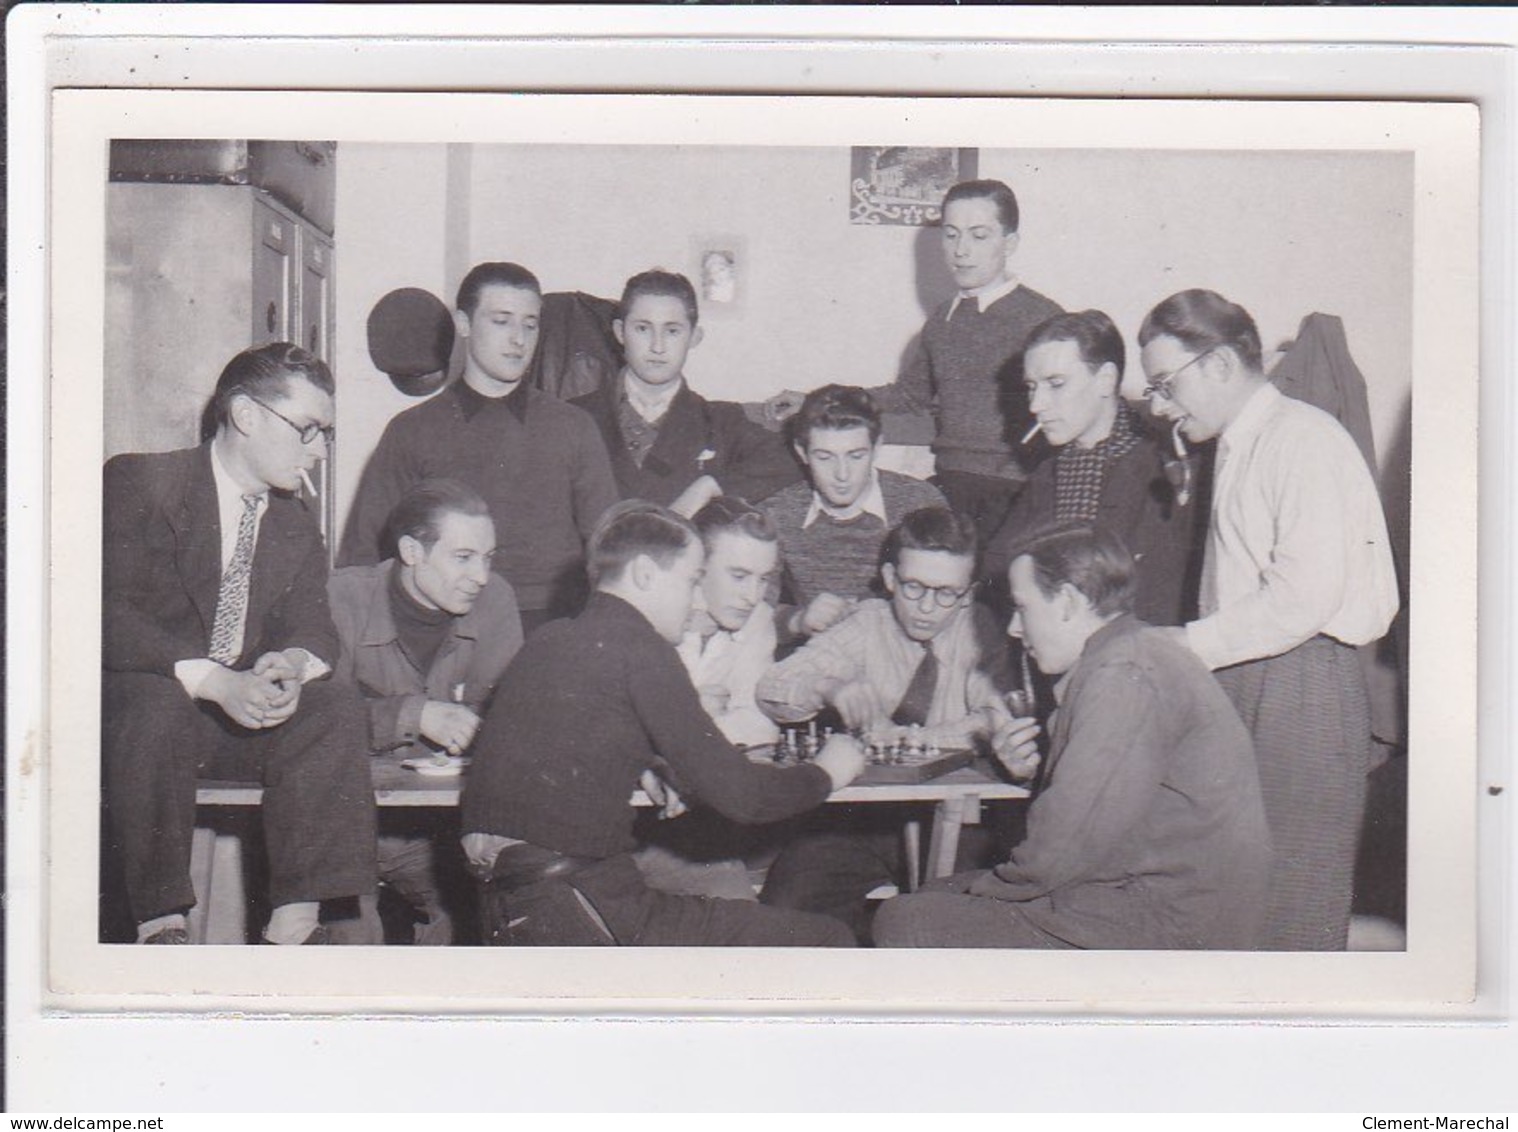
{"x": 162, "y": 563}
{"x": 1139, "y": 506}
{"x": 586, "y": 707}
{"x": 746, "y": 459}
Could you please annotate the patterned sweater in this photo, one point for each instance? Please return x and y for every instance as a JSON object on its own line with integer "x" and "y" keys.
{"x": 967, "y": 372}
{"x": 840, "y": 557}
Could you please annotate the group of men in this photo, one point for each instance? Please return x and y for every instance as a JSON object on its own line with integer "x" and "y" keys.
{"x": 636, "y": 589}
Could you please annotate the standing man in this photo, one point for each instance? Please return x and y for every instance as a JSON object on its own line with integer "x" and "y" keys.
{"x": 216, "y": 636}
{"x": 586, "y": 709}
{"x": 425, "y": 637}
{"x": 832, "y": 526}
{"x": 540, "y": 464}
{"x": 1298, "y": 571}
{"x": 1106, "y": 471}
{"x": 967, "y": 370}
{"x": 1148, "y": 831}
{"x": 668, "y": 444}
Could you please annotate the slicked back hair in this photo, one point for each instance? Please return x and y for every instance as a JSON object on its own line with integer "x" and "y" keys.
{"x": 835, "y": 407}
{"x": 730, "y": 513}
{"x": 263, "y": 373}
{"x": 931, "y": 528}
{"x": 420, "y": 512}
{"x": 995, "y": 191}
{"x": 1204, "y": 320}
{"x": 1092, "y": 559}
{"x": 666, "y": 284}
{"x": 483, "y": 275}
{"x": 635, "y": 527}
{"x": 1094, "y": 334}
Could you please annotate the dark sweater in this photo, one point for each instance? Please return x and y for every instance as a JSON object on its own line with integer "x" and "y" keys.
{"x": 967, "y": 371}
{"x": 1139, "y": 506}
{"x": 836, "y": 557}
{"x": 746, "y": 459}
{"x": 539, "y": 463}
{"x": 585, "y": 708}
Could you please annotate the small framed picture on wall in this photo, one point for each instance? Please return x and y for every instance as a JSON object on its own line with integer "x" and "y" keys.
{"x": 904, "y": 184}
{"x": 720, "y": 271}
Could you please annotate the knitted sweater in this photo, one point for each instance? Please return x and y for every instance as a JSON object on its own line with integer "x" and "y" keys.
{"x": 967, "y": 371}
{"x": 540, "y": 464}
{"x": 840, "y": 557}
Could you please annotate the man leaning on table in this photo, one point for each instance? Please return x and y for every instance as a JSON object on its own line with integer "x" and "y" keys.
{"x": 425, "y": 637}
{"x": 1148, "y": 831}
{"x": 584, "y": 711}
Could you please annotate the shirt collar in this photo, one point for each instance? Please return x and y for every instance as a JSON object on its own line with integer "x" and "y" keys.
{"x": 872, "y": 502}
{"x": 472, "y": 401}
{"x": 987, "y": 295}
{"x": 1119, "y": 626}
{"x": 651, "y": 406}
{"x": 229, "y": 495}
{"x": 1252, "y": 417}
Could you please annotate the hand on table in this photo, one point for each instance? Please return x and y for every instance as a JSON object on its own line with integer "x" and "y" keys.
{"x": 663, "y": 795}
{"x": 450, "y": 726}
{"x": 842, "y": 756}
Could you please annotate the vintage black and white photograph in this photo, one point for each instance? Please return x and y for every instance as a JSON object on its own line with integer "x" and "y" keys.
{"x": 1028, "y": 577}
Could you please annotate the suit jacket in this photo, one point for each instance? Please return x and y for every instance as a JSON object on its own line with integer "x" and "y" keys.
{"x": 747, "y": 459}
{"x": 162, "y": 568}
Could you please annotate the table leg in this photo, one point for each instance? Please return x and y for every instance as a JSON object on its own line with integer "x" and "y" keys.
{"x": 911, "y": 839}
{"x": 943, "y": 844}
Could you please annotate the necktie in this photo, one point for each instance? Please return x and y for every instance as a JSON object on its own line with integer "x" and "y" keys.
{"x": 917, "y": 701}
{"x": 232, "y": 599}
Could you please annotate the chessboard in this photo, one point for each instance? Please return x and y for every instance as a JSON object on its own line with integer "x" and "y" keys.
{"x": 913, "y": 766}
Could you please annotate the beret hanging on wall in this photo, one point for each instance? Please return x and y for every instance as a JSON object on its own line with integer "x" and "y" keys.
{"x": 411, "y": 340}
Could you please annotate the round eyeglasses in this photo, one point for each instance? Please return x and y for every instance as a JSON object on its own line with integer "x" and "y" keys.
{"x": 946, "y": 596}
{"x": 1160, "y": 385}
{"x": 308, "y": 432}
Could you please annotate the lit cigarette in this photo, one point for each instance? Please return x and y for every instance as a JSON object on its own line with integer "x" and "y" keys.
{"x": 1032, "y": 432}
{"x": 310, "y": 487}
{"x": 1178, "y": 440}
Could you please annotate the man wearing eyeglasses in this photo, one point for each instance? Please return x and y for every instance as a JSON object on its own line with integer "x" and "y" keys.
{"x": 918, "y": 657}
{"x": 216, "y": 633}
{"x": 1297, "y": 573}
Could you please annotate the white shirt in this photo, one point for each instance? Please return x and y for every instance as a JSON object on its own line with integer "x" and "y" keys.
{"x": 734, "y": 661}
{"x": 1297, "y": 544}
{"x": 985, "y": 296}
{"x": 871, "y": 502}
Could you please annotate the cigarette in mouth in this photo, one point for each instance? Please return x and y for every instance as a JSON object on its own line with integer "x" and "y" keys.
{"x": 310, "y": 487}
{"x": 1178, "y": 440}
{"x": 1032, "y": 432}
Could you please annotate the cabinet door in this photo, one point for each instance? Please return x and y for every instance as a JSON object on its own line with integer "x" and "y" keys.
{"x": 316, "y": 294}
{"x": 274, "y": 242}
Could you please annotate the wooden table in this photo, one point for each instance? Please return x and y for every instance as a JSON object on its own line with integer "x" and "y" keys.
{"x": 219, "y": 915}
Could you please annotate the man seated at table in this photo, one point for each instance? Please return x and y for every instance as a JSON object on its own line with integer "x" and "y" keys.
{"x": 833, "y": 525}
{"x": 425, "y": 636}
{"x": 728, "y": 645}
{"x": 669, "y": 444}
{"x": 586, "y": 708}
{"x": 913, "y": 659}
{"x": 216, "y": 636}
{"x": 1148, "y": 831}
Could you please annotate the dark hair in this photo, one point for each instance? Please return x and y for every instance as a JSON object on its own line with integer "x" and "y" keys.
{"x": 729, "y": 513}
{"x": 836, "y": 407}
{"x": 1097, "y": 338}
{"x": 420, "y": 512}
{"x": 483, "y": 275}
{"x": 1092, "y": 559}
{"x": 931, "y": 528}
{"x": 995, "y": 191}
{"x": 263, "y": 373}
{"x": 1204, "y": 320}
{"x": 631, "y": 528}
{"x": 663, "y": 283}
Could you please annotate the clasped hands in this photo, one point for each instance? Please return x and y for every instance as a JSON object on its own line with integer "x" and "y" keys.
{"x": 260, "y": 697}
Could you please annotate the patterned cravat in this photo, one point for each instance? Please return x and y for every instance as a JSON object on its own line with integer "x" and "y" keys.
{"x": 232, "y": 600}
